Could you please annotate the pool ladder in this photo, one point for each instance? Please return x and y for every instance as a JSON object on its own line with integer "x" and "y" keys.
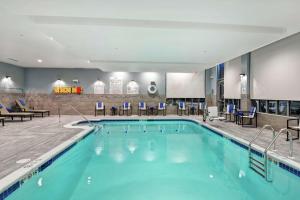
{"x": 95, "y": 125}
{"x": 261, "y": 167}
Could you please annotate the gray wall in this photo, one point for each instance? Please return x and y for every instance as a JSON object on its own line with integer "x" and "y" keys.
{"x": 41, "y": 80}
{"x": 275, "y": 70}
{"x": 17, "y": 78}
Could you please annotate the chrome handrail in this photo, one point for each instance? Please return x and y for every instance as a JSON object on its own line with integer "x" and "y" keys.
{"x": 290, "y": 140}
{"x": 259, "y": 133}
{"x": 273, "y": 142}
{"x": 85, "y": 118}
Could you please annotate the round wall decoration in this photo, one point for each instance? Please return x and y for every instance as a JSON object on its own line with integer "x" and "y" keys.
{"x": 152, "y": 88}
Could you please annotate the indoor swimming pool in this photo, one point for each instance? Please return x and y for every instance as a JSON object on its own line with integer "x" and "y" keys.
{"x": 161, "y": 160}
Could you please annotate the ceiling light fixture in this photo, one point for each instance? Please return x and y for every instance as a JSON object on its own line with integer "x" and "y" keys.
{"x": 89, "y": 61}
{"x": 40, "y": 60}
{"x": 51, "y": 38}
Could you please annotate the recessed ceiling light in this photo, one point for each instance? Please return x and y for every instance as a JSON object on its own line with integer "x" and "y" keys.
{"x": 88, "y": 61}
{"x": 40, "y": 60}
{"x": 51, "y": 38}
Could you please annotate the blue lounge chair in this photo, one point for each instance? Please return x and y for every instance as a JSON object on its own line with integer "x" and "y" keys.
{"x": 162, "y": 108}
{"x": 247, "y": 115}
{"x": 181, "y": 108}
{"x": 230, "y": 110}
{"x": 126, "y": 107}
{"x": 100, "y": 107}
{"x": 142, "y": 107}
{"x": 5, "y": 113}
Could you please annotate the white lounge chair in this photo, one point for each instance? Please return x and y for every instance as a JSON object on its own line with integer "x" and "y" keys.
{"x": 213, "y": 114}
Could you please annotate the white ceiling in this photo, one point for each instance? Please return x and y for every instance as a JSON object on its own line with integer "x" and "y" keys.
{"x": 140, "y": 35}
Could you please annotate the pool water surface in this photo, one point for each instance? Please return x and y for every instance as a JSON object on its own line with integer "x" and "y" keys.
{"x": 161, "y": 160}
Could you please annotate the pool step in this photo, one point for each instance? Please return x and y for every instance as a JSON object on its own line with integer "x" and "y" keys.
{"x": 257, "y": 166}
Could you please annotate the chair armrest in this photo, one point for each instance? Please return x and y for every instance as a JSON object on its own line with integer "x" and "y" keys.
{"x": 290, "y": 120}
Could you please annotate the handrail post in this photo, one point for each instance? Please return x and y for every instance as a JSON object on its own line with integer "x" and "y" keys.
{"x": 274, "y": 134}
{"x": 59, "y": 114}
{"x": 291, "y": 145}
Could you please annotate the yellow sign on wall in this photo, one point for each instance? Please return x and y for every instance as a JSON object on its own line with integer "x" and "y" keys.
{"x": 67, "y": 90}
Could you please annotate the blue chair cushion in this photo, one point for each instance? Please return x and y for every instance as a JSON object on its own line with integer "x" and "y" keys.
{"x": 126, "y": 104}
{"x": 181, "y": 104}
{"x": 22, "y": 102}
{"x": 142, "y": 104}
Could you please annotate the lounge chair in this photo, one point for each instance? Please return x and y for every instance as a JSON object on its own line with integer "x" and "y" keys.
{"x": 2, "y": 120}
{"x": 213, "y": 114}
{"x": 294, "y": 128}
{"x": 230, "y": 110}
{"x": 222, "y": 116}
{"x": 142, "y": 108}
{"x": 201, "y": 107}
{"x": 4, "y": 113}
{"x": 247, "y": 115}
{"x": 24, "y": 108}
{"x": 126, "y": 107}
{"x": 193, "y": 108}
{"x": 162, "y": 108}
{"x": 181, "y": 108}
{"x": 99, "y": 107}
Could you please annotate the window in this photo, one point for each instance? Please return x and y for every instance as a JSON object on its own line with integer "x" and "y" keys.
{"x": 220, "y": 71}
{"x": 282, "y": 107}
{"x": 254, "y": 103}
{"x": 295, "y": 108}
{"x": 272, "y": 107}
{"x": 263, "y": 106}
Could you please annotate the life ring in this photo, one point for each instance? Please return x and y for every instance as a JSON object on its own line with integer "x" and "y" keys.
{"x": 152, "y": 89}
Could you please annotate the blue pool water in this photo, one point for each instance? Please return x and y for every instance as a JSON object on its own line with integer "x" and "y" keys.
{"x": 161, "y": 160}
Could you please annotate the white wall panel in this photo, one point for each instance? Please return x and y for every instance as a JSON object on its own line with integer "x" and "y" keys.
{"x": 232, "y": 80}
{"x": 275, "y": 70}
{"x": 185, "y": 85}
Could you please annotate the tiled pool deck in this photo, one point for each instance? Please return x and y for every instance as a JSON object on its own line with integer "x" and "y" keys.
{"x": 31, "y": 139}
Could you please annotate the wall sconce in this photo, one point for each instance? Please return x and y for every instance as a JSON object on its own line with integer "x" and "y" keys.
{"x": 8, "y": 77}
{"x": 242, "y": 75}
{"x": 59, "y": 83}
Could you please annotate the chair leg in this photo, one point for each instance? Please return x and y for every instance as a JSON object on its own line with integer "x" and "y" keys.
{"x": 256, "y": 121}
